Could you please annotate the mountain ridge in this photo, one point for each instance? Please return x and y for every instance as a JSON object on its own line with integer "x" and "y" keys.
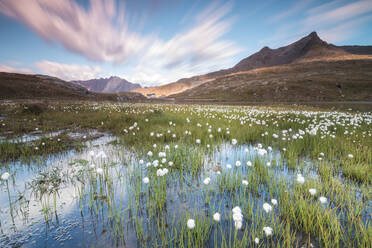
{"x": 111, "y": 84}
{"x": 34, "y": 86}
{"x": 306, "y": 48}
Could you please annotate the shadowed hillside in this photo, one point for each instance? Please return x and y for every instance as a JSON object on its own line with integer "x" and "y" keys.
{"x": 343, "y": 79}
{"x": 24, "y": 86}
{"x": 108, "y": 85}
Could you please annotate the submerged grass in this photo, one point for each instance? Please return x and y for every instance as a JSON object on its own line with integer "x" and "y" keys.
{"x": 300, "y": 177}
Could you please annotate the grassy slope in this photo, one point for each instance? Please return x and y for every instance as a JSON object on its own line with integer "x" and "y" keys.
{"x": 347, "y": 79}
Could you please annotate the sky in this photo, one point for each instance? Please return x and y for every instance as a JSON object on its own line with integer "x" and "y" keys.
{"x": 160, "y": 41}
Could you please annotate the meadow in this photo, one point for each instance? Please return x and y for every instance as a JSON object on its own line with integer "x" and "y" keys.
{"x": 90, "y": 174}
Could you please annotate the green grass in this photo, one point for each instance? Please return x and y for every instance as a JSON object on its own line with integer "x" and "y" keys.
{"x": 120, "y": 195}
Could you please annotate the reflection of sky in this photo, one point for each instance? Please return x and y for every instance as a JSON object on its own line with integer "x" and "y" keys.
{"x": 24, "y": 173}
{"x": 80, "y": 228}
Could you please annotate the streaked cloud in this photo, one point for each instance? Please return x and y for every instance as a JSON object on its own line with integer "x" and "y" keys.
{"x": 7, "y": 68}
{"x": 101, "y": 32}
{"x": 345, "y": 30}
{"x": 335, "y": 21}
{"x": 68, "y": 72}
{"x": 346, "y": 12}
{"x": 296, "y": 8}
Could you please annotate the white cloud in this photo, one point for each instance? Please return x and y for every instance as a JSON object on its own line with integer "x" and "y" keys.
{"x": 339, "y": 14}
{"x": 68, "y": 72}
{"x": 101, "y": 33}
{"x": 345, "y": 30}
{"x": 6, "y": 68}
{"x": 194, "y": 51}
{"x": 335, "y": 22}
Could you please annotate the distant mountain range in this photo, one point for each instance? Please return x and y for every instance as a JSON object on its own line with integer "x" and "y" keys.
{"x": 32, "y": 87}
{"x": 108, "y": 85}
{"x": 307, "y": 49}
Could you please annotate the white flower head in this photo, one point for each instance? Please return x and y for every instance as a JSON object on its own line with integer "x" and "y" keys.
{"x": 268, "y": 231}
{"x": 312, "y": 191}
{"x": 190, "y": 223}
{"x": 322, "y": 199}
{"x": 217, "y": 217}
{"x": 267, "y": 207}
{"x": 146, "y": 180}
{"x": 300, "y": 179}
{"x": 207, "y": 181}
{"x": 99, "y": 171}
{"x": 5, "y": 176}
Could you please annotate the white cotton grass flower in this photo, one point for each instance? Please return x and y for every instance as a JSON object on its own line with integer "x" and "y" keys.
{"x": 261, "y": 152}
{"x": 267, "y": 207}
{"x": 274, "y": 202}
{"x": 249, "y": 163}
{"x": 300, "y": 179}
{"x": 312, "y": 191}
{"x": 246, "y": 150}
{"x": 245, "y": 182}
{"x": 238, "y": 163}
{"x": 322, "y": 199}
{"x": 350, "y": 155}
{"x": 207, "y": 181}
{"x": 92, "y": 166}
{"x": 217, "y": 217}
{"x": 268, "y": 164}
{"x": 162, "y": 154}
{"x": 99, "y": 171}
{"x": 237, "y": 217}
{"x": 268, "y": 231}
{"x": 228, "y": 166}
{"x": 5, "y": 176}
{"x": 146, "y": 180}
{"x": 141, "y": 161}
{"x": 257, "y": 240}
{"x": 234, "y": 141}
{"x": 190, "y": 223}
{"x": 197, "y": 141}
{"x": 161, "y": 172}
{"x": 149, "y": 154}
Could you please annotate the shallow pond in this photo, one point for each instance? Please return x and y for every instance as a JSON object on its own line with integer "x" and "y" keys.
{"x": 99, "y": 198}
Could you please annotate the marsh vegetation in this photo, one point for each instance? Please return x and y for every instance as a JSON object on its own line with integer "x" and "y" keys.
{"x": 141, "y": 175}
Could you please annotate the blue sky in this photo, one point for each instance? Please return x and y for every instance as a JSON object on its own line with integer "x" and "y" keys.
{"x": 160, "y": 41}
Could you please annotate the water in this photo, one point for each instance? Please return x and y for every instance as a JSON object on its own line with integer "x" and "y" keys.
{"x": 92, "y": 212}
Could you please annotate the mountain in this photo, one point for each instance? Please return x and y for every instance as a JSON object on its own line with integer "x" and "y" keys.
{"x": 347, "y": 78}
{"x": 25, "y": 86}
{"x": 308, "y": 48}
{"x": 108, "y": 85}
